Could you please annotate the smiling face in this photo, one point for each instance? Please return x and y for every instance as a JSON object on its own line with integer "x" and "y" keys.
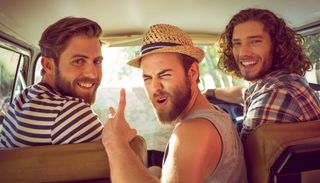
{"x": 79, "y": 70}
{"x": 252, "y": 50}
{"x": 167, "y": 85}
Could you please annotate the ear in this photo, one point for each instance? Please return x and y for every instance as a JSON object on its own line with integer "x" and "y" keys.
{"x": 48, "y": 65}
{"x": 193, "y": 72}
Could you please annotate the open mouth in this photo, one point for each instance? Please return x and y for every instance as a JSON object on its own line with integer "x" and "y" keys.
{"x": 161, "y": 100}
{"x": 86, "y": 84}
{"x": 248, "y": 63}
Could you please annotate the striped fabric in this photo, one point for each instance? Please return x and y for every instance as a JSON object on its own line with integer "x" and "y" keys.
{"x": 42, "y": 116}
{"x": 279, "y": 97}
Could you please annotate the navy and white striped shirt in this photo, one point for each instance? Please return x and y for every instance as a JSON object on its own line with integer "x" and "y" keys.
{"x": 42, "y": 116}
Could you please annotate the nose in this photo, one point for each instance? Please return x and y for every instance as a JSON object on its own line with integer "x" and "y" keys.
{"x": 156, "y": 85}
{"x": 244, "y": 50}
{"x": 91, "y": 70}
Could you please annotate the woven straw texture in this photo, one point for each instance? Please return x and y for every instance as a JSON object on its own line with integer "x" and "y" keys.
{"x": 164, "y": 33}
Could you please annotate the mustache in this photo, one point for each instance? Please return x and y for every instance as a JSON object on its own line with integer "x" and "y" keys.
{"x": 87, "y": 80}
{"x": 160, "y": 93}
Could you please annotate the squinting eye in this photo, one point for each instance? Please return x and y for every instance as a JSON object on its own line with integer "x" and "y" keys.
{"x": 165, "y": 75}
{"x": 146, "y": 79}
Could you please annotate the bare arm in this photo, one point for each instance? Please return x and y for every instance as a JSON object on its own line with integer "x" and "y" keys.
{"x": 194, "y": 152}
{"x": 230, "y": 94}
{"x": 126, "y": 167}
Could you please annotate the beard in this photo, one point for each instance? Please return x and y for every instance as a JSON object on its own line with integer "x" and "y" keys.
{"x": 68, "y": 88}
{"x": 178, "y": 100}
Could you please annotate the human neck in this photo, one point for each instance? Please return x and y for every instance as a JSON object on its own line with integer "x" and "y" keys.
{"x": 47, "y": 80}
{"x": 192, "y": 105}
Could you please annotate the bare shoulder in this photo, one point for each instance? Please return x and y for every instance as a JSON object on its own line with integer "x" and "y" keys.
{"x": 196, "y": 126}
{"x": 194, "y": 143}
{"x": 198, "y": 132}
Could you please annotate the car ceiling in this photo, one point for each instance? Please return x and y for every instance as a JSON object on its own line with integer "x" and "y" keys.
{"x": 27, "y": 19}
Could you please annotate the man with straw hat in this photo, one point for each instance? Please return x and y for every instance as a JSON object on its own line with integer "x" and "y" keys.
{"x": 204, "y": 146}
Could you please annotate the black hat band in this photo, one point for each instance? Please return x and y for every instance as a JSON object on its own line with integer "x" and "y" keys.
{"x": 153, "y": 46}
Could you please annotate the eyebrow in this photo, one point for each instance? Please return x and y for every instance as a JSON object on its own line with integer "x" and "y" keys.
{"x": 83, "y": 56}
{"x": 159, "y": 73}
{"x": 255, "y": 36}
{"x": 78, "y": 55}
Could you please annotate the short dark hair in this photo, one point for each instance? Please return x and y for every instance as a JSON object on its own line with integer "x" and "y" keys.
{"x": 287, "y": 45}
{"x": 56, "y": 37}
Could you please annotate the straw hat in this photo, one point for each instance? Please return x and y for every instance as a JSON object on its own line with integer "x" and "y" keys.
{"x": 164, "y": 38}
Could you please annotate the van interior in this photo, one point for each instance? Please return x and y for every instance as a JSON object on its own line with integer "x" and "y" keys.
{"x": 272, "y": 152}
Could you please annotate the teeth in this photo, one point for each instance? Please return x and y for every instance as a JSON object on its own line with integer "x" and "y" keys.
{"x": 161, "y": 99}
{"x": 245, "y": 63}
{"x": 87, "y": 85}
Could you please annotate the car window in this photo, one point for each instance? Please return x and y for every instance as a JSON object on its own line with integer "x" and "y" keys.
{"x": 139, "y": 112}
{"x": 13, "y": 71}
{"x": 10, "y": 62}
{"x": 312, "y": 48}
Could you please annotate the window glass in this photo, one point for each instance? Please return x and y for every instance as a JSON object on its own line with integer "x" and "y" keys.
{"x": 312, "y": 48}
{"x": 116, "y": 75}
{"x": 139, "y": 112}
{"x": 9, "y": 61}
{"x": 210, "y": 75}
{"x": 37, "y": 73}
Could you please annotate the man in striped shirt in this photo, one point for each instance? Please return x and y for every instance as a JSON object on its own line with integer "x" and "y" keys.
{"x": 258, "y": 47}
{"x": 57, "y": 110}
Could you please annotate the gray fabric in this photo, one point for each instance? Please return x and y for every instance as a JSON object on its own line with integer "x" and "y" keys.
{"x": 231, "y": 168}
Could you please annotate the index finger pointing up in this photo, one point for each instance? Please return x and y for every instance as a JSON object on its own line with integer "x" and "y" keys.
{"x": 122, "y": 102}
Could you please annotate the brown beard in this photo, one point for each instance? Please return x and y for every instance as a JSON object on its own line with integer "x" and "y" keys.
{"x": 179, "y": 98}
{"x": 66, "y": 88}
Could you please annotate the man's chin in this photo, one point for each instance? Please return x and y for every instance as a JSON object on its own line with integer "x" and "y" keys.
{"x": 90, "y": 102}
{"x": 248, "y": 76}
{"x": 88, "y": 99}
{"x": 164, "y": 118}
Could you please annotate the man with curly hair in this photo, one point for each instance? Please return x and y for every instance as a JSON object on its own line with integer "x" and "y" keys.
{"x": 259, "y": 47}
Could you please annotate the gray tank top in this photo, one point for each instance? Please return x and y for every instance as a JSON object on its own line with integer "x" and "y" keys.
{"x": 231, "y": 167}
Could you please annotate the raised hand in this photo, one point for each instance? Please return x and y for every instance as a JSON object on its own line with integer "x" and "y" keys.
{"x": 117, "y": 130}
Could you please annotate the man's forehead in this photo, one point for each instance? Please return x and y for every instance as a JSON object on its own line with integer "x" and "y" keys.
{"x": 157, "y": 70}
{"x": 249, "y": 28}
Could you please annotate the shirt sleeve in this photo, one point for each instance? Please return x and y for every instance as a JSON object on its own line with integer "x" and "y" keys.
{"x": 76, "y": 123}
{"x": 275, "y": 105}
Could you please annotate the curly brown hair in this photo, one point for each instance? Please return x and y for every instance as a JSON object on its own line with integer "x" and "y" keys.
{"x": 287, "y": 49}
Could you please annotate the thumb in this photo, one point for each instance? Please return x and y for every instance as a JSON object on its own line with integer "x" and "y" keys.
{"x": 112, "y": 112}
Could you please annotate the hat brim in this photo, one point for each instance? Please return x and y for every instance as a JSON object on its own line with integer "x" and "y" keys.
{"x": 194, "y": 52}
